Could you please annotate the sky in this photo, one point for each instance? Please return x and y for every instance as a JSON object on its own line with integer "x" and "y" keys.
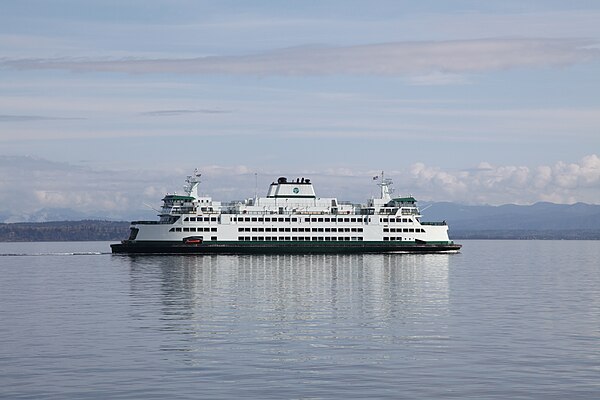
{"x": 106, "y": 105}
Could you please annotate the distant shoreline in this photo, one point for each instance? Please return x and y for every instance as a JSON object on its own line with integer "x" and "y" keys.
{"x": 64, "y": 231}
{"x": 530, "y": 234}
{"x": 98, "y": 230}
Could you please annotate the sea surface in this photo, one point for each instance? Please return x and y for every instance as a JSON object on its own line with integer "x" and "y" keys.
{"x": 499, "y": 320}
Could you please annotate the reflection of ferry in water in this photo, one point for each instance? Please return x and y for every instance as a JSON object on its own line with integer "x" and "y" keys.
{"x": 290, "y": 219}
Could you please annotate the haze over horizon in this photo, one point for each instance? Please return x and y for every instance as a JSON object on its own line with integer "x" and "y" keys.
{"x": 106, "y": 106}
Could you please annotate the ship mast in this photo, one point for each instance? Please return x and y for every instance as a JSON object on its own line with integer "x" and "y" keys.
{"x": 255, "y": 188}
{"x": 384, "y": 184}
{"x": 191, "y": 184}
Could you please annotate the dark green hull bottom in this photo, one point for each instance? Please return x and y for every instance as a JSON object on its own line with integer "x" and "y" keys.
{"x": 354, "y": 247}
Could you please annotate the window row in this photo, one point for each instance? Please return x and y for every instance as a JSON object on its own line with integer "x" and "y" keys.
{"x": 300, "y": 229}
{"x": 301, "y": 238}
{"x": 264, "y": 219}
{"x": 294, "y": 219}
{"x": 193, "y": 230}
{"x": 405, "y": 230}
{"x": 396, "y": 220}
{"x": 200, "y": 219}
{"x": 392, "y": 238}
{"x": 336, "y": 219}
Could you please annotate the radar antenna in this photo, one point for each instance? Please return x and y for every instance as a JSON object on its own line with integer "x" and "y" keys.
{"x": 191, "y": 183}
{"x": 385, "y": 185}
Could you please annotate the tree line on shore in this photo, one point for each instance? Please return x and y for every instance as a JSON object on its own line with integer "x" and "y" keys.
{"x": 86, "y": 230}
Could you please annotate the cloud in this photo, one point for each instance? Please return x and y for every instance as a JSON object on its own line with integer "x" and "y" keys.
{"x": 170, "y": 113}
{"x": 561, "y": 182}
{"x": 28, "y": 185}
{"x": 437, "y": 79}
{"x": 30, "y": 118}
{"x": 586, "y": 173}
{"x": 386, "y": 59}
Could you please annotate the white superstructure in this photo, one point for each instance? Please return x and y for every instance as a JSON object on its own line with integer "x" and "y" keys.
{"x": 290, "y": 212}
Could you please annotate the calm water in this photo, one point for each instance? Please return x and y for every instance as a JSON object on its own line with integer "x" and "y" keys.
{"x": 502, "y": 319}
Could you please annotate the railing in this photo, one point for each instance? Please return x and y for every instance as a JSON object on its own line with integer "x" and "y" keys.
{"x": 387, "y": 212}
{"x": 410, "y": 211}
{"x": 289, "y": 212}
{"x": 434, "y": 223}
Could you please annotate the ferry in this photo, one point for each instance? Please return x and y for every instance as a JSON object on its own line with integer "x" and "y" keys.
{"x": 291, "y": 219}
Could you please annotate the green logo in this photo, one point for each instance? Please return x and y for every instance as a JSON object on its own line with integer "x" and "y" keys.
{"x": 296, "y": 190}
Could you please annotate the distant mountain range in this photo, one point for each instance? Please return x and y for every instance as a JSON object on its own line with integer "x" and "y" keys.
{"x": 537, "y": 221}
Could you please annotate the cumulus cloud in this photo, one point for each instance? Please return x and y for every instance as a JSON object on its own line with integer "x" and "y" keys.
{"x": 425, "y": 59}
{"x": 490, "y": 184}
{"x": 29, "y": 185}
{"x": 586, "y": 173}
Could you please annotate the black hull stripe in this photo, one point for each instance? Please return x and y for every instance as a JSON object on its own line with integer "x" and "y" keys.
{"x": 150, "y": 247}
